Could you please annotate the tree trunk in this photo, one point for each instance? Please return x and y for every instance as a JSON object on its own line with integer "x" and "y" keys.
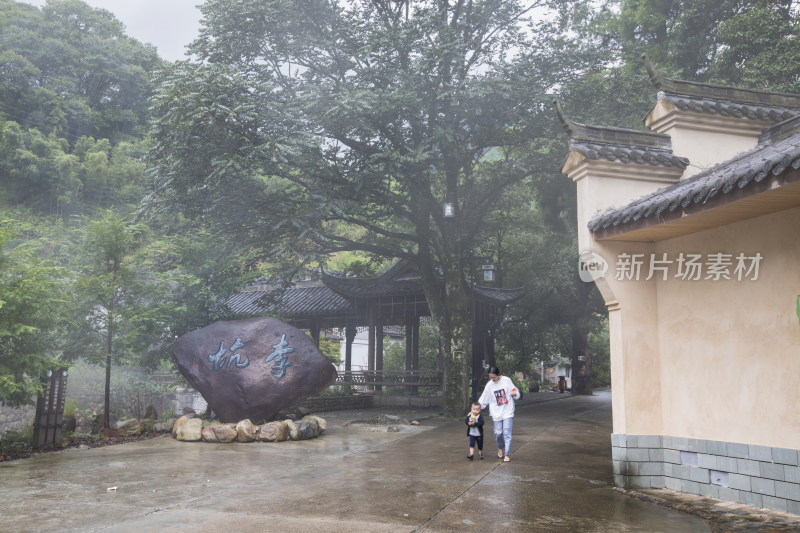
{"x": 457, "y": 334}
{"x": 450, "y": 315}
{"x": 107, "y": 400}
{"x": 107, "y": 397}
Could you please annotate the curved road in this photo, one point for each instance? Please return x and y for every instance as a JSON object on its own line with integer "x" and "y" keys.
{"x": 353, "y": 478}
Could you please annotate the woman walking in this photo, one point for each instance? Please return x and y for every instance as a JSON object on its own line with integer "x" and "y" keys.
{"x": 499, "y": 395}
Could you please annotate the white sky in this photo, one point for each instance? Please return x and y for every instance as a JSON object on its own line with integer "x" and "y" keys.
{"x": 169, "y": 25}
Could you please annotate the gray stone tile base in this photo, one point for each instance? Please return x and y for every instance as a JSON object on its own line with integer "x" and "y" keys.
{"x": 759, "y": 476}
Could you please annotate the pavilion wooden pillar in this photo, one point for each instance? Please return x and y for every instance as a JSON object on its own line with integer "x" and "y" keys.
{"x": 477, "y": 354}
{"x": 349, "y": 337}
{"x": 415, "y": 353}
{"x": 371, "y": 350}
{"x": 379, "y": 355}
{"x": 409, "y": 330}
{"x": 315, "y": 332}
{"x": 412, "y": 351}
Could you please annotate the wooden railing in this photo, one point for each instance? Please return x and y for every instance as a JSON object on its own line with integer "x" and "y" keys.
{"x": 417, "y": 378}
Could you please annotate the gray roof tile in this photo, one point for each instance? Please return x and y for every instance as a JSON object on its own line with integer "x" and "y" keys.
{"x": 777, "y": 151}
{"x": 722, "y": 99}
{"x": 293, "y": 302}
{"x": 752, "y": 111}
{"x": 620, "y": 144}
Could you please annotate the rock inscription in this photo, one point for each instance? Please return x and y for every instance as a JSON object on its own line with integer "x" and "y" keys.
{"x": 253, "y": 368}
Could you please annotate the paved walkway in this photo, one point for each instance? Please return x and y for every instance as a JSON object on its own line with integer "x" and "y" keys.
{"x": 353, "y": 478}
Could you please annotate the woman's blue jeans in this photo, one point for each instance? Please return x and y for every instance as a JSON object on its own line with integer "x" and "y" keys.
{"x": 502, "y": 434}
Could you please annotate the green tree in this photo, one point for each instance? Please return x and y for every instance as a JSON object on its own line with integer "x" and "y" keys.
{"x": 111, "y": 309}
{"x": 394, "y": 357}
{"x": 760, "y": 47}
{"x": 749, "y": 43}
{"x": 31, "y": 296}
{"x": 72, "y": 71}
{"x": 301, "y": 121}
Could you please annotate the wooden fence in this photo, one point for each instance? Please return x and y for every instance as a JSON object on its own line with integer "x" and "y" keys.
{"x": 370, "y": 378}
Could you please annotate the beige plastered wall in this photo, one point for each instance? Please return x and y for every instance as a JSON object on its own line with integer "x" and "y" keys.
{"x": 704, "y": 139}
{"x": 706, "y": 359}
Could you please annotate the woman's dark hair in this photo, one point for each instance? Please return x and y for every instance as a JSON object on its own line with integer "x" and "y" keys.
{"x": 494, "y": 370}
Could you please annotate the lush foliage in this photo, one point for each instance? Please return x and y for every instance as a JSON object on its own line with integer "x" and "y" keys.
{"x": 73, "y": 108}
{"x": 30, "y": 300}
{"x": 332, "y": 133}
{"x": 394, "y": 353}
{"x": 333, "y": 126}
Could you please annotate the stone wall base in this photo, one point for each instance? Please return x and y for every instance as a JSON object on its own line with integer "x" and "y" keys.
{"x": 383, "y": 400}
{"x": 337, "y": 403}
{"x": 759, "y": 476}
{"x": 366, "y": 401}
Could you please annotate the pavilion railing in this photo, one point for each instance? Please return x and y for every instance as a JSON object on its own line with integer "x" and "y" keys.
{"x": 417, "y": 378}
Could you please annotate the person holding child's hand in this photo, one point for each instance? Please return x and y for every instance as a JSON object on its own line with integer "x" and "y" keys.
{"x": 499, "y": 395}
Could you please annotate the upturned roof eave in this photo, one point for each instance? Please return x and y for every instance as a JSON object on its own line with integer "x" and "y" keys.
{"x": 770, "y": 169}
{"x": 721, "y": 92}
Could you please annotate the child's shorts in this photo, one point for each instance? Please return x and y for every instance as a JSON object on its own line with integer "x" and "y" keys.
{"x": 476, "y": 440}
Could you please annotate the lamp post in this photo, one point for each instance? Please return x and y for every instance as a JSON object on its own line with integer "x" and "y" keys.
{"x": 488, "y": 273}
{"x": 448, "y": 209}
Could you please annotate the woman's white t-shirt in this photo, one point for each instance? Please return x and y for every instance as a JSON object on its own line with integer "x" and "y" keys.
{"x": 497, "y": 395}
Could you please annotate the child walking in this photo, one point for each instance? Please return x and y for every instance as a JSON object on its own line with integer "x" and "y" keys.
{"x": 474, "y": 423}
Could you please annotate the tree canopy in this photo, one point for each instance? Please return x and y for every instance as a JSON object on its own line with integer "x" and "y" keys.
{"x": 301, "y": 122}
{"x": 331, "y": 132}
{"x": 30, "y": 302}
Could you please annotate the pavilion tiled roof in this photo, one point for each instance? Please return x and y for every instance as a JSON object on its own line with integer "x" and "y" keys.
{"x": 372, "y": 287}
{"x": 778, "y": 150}
{"x": 336, "y": 294}
{"x": 291, "y": 303}
{"x": 403, "y": 280}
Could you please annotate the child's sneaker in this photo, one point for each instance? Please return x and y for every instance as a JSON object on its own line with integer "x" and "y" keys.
{"x": 480, "y": 456}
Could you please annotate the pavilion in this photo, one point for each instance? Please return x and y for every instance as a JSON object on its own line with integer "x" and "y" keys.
{"x": 394, "y": 298}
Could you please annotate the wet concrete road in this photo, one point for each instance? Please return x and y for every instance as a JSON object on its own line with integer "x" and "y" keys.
{"x": 352, "y": 478}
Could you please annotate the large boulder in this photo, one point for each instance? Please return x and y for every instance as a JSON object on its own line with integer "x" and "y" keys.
{"x": 252, "y": 368}
{"x": 307, "y": 429}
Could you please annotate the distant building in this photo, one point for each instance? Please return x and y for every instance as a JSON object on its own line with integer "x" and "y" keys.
{"x": 553, "y": 370}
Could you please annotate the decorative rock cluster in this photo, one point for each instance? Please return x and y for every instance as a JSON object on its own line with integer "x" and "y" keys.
{"x": 191, "y": 429}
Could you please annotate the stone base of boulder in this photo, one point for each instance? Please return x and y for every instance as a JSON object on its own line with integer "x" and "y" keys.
{"x": 192, "y": 429}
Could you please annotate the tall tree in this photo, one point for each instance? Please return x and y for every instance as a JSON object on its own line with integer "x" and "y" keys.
{"x": 30, "y": 300}
{"x": 110, "y": 307}
{"x": 303, "y": 120}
